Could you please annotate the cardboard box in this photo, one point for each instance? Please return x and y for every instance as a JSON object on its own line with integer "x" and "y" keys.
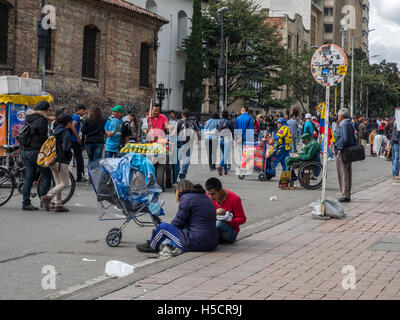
{"x": 9, "y": 85}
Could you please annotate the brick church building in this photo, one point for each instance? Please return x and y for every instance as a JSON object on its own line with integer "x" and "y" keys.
{"x": 102, "y": 52}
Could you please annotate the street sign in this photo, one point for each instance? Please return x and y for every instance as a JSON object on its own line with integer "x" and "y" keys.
{"x": 329, "y": 65}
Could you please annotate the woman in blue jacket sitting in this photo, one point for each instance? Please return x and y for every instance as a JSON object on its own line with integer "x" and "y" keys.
{"x": 194, "y": 226}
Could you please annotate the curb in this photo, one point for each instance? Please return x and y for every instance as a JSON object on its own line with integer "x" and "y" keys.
{"x": 103, "y": 285}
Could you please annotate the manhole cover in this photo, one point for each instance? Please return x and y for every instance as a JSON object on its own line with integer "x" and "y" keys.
{"x": 386, "y": 244}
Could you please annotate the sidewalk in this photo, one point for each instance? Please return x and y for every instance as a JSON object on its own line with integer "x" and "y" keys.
{"x": 298, "y": 259}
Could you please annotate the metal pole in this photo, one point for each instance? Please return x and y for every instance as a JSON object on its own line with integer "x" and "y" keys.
{"x": 361, "y": 89}
{"x": 42, "y": 38}
{"x": 221, "y": 68}
{"x": 342, "y": 84}
{"x": 325, "y": 154}
{"x": 367, "y": 101}
{"x": 170, "y": 66}
{"x": 226, "y": 75}
{"x": 352, "y": 78}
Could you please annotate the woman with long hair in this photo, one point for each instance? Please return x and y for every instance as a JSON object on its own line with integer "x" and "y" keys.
{"x": 93, "y": 132}
{"x": 194, "y": 226}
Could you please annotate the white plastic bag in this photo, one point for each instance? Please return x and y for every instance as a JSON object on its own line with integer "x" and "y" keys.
{"x": 333, "y": 209}
{"x": 118, "y": 269}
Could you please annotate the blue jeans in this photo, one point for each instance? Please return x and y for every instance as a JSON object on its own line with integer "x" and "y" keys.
{"x": 294, "y": 144}
{"x": 177, "y": 169}
{"x": 29, "y": 159}
{"x": 111, "y": 154}
{"x": 163, "y": 232}
{"x": 395, "y": 158}
{"x": 225, "y": 146}
{"x": 278, "y": 157}
{"x": 94, "y": 151}
{"x": 226, "y": 233}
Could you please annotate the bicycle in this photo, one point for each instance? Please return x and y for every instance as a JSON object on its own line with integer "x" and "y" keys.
{"x": 12, "y": 176}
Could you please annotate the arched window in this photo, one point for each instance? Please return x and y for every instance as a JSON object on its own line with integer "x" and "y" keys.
{"x": 151, "y": 5}
{"x": 3, "y": 33}
{"x": 90, "y": 52}
{"x": 182, "y": 28}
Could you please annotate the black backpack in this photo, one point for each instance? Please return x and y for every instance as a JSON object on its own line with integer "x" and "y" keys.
{"x": 24, "y": 135}
{"x": 187, "y": 129}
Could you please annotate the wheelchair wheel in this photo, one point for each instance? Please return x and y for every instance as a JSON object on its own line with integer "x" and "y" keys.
{"x": 310, "y": 175}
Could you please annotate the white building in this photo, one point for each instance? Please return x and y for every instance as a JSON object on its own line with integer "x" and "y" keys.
{"x": 171, "y": 57}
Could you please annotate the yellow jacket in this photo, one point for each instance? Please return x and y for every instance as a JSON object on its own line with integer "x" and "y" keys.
{"x": 284, "y": 137}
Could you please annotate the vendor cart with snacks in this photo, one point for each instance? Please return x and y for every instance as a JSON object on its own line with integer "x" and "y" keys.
{"x": 256, "y": 158}
{"x": 159, "y": 155}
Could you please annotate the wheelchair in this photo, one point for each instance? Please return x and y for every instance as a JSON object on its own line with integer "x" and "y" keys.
{"x": 309, "y": 174}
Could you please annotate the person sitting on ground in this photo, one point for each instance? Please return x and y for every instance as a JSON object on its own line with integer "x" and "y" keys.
{"x": 226, "y": 201}
{"x": 310, "y": 151}
{"x": 194, "y": 226}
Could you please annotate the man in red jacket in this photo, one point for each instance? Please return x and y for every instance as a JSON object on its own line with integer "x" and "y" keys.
{"x": 230, "y": 213}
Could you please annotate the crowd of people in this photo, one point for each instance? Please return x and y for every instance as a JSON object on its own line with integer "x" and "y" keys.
{"x": 211, "y": 214}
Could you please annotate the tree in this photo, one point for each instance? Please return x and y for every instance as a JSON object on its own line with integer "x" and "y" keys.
{"x": 194, "y": 67}
{"x": 254, "y": 52}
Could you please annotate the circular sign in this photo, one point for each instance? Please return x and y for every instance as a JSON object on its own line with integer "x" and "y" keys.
{"x": 329, "y": 65}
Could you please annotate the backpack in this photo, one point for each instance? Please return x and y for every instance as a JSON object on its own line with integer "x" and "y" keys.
{"x": 187, "y": 129}
{"x": 24, "y": 135}
{"x": 48, "y": 153}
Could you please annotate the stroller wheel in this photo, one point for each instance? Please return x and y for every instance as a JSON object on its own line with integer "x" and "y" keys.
{"x": 113, "y": 239}
{"x": 261, "y": 177}
{"x": 117, "y": 231}
{"x": 241, "y": 176}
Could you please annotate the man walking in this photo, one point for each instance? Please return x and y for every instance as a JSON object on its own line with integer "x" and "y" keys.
{"x": 38, "y": 121}
{"x": 293, "y": 124}
{"x": 345, "y": 137}
{"x": 244, "y": 126}
{"x": 113, "y": 129}
{"x": 395, "y": 152}
{"x": 77, "y": 142}
{"x": 363, "y": 133}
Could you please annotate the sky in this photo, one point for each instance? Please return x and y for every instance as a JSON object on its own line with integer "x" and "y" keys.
{"x": 384, "y": 17}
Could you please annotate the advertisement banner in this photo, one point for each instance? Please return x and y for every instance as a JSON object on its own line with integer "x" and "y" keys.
{"x": 17, "y": 120}
{"x": 3, "y": 127}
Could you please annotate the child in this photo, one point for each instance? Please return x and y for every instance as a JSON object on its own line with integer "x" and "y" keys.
{"x": 371, "y": 141}
{"x": 60, "y": 169}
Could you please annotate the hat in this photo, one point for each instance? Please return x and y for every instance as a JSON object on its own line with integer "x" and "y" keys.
{"x": 64, "y": 118}
{"x": 314, "y": 118}
{"x": 281, "y": 120}
{"x": 42, "y": 105}
{"x": 305, "y": 136}
{"x": 308, "y": 116}
{"x": 118, "y": 109}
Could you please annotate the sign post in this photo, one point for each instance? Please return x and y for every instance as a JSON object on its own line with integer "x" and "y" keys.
{"x": 328, "y": 67}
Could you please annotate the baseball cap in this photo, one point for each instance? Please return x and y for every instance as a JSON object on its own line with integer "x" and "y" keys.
{"x": 308, "y": 116}
{"x": 281, "y": 120}
{"x": 118, "y": 109}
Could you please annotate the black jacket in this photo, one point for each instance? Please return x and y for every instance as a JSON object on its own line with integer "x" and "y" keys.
{"x": 63, "y": 144}
{"x": 38, "y": 129}
{"x": 94, "y": 132}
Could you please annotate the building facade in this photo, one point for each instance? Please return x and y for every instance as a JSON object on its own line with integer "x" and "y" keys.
{"x": 311, "y": 12}
{"x": 101, "y": 52}
{"x": 171, "y": 52}
{"x": 333, "y": 15}
{"x": 295, "y": 37}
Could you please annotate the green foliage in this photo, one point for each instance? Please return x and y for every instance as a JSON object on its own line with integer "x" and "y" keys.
{"x": 194, "y": 70}
{"x": 254, "y": 52}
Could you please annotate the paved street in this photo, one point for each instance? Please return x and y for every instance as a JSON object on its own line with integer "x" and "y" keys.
{"x": 33, "y": 240}
{"x": 303, "y": 258}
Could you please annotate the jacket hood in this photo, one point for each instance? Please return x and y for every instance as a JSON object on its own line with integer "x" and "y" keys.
{"x": 32, "y": 115}
{"x": 197, "y": 188}
{"x": 58, "y": 131}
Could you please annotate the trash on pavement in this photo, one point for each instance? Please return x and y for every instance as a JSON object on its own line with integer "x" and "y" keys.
{"x": 333, "y": 209}
{"x": 118, "y": 269}
{"x": 88, "y": 260}
{"x": 274, "y": 198}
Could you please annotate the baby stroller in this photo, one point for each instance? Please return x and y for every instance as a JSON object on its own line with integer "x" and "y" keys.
{"x": 127, "y": 185}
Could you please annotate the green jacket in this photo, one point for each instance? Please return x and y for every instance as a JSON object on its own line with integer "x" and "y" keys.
{"x": 310, "y": 150}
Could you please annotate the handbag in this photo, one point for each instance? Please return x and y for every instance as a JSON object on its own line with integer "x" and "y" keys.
{"x": 353, "y": 153}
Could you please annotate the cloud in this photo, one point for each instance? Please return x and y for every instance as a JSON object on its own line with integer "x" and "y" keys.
{"x": 385, "y": 39}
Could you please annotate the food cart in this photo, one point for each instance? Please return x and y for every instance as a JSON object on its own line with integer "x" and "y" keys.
{"x": 159, "y": 154}
{"x": 13, "y": 108}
